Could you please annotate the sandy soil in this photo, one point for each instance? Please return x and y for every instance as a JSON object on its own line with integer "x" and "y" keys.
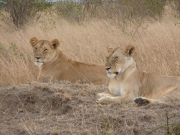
{"x": 57, "y": 108}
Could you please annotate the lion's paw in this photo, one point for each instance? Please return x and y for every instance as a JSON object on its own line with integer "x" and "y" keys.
{"x": 141, "y": 101}
{"x": 101, "y": 100}
{"x": 100, "y": 95}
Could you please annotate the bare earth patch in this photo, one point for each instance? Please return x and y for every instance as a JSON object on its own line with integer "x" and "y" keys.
{"x": 65, "y": 108}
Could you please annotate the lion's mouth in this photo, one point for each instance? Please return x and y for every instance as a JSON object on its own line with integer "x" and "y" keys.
{"x": 38, "y": 63}
{"x": 116, "y": 73}
{"x": 112, "y": 74}
{"x": 37, "y": 60}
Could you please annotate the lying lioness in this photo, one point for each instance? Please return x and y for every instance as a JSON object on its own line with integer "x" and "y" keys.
{"x": 128, "y": 83}
{"x": 54, "y": 64}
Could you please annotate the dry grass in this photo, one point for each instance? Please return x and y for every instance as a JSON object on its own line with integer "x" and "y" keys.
{"x": 59, "y": 108}
{"x": 158, "y": 45}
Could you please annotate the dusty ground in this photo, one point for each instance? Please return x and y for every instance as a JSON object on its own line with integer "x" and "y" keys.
{"x": 65, "y": 108}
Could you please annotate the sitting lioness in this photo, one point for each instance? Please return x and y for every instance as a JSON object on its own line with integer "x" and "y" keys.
{"x": 128, "y": 83}
{"x": 54, "y": 64}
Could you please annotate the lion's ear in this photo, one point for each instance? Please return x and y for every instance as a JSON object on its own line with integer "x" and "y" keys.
{"x": 129, "y": 50}
{"x": 109, "y": 49}
{"x": 33, "y": 41}
{"x": 55, "y": 43}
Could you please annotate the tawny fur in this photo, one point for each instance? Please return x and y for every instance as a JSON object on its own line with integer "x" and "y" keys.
{"x": 54, "y": 64}
{"x": 128, "y": 83}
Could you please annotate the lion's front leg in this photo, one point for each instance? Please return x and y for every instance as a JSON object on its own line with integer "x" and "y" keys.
{"x": 104, "y": 100}
{"x": 107, "y": 97}
{"x": 144, "y": 101}
{"x": 103, "y": 94}
{"x": 115, "y": 100}
{"x": 103, "y": 97}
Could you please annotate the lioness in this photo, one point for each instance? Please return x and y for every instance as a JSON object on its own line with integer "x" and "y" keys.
{"x": 54, "y": 64}
{"x": 128, "y": 83}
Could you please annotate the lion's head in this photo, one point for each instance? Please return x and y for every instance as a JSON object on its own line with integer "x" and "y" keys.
{"x": 118, "y": 60}
{"x": 44, "y": 51}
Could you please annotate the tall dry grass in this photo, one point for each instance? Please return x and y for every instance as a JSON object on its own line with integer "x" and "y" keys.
{"x": 157, "y": 43}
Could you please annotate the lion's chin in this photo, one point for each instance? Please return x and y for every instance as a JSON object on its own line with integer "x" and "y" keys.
{"x": 39, "y": 64}
{"x": 111, "y": 75}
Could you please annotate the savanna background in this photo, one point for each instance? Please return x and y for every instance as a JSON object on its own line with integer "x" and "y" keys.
{"x": 85, "y": 29}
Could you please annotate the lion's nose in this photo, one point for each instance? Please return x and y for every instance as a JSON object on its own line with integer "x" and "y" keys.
{"x": 107, "y": 68}
{"x": 38, "y": 57}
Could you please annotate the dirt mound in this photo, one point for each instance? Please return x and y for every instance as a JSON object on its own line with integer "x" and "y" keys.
{"x": 33, "y": 99}
{"x": 65, "y": 108}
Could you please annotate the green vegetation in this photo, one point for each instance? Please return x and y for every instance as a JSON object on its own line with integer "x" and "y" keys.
{"x": 22, "y": 10}
{"x": 175, "y": 128}
{"x": 71, "y": 10}
{"x": 119, "y": 11}
{"x": 170, "y": 129}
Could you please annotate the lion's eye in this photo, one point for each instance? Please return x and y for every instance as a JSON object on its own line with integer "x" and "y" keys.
{"x": 115, "y": 58}
{"x": 35, "y": 49}
{"x": 45, "y": 50}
